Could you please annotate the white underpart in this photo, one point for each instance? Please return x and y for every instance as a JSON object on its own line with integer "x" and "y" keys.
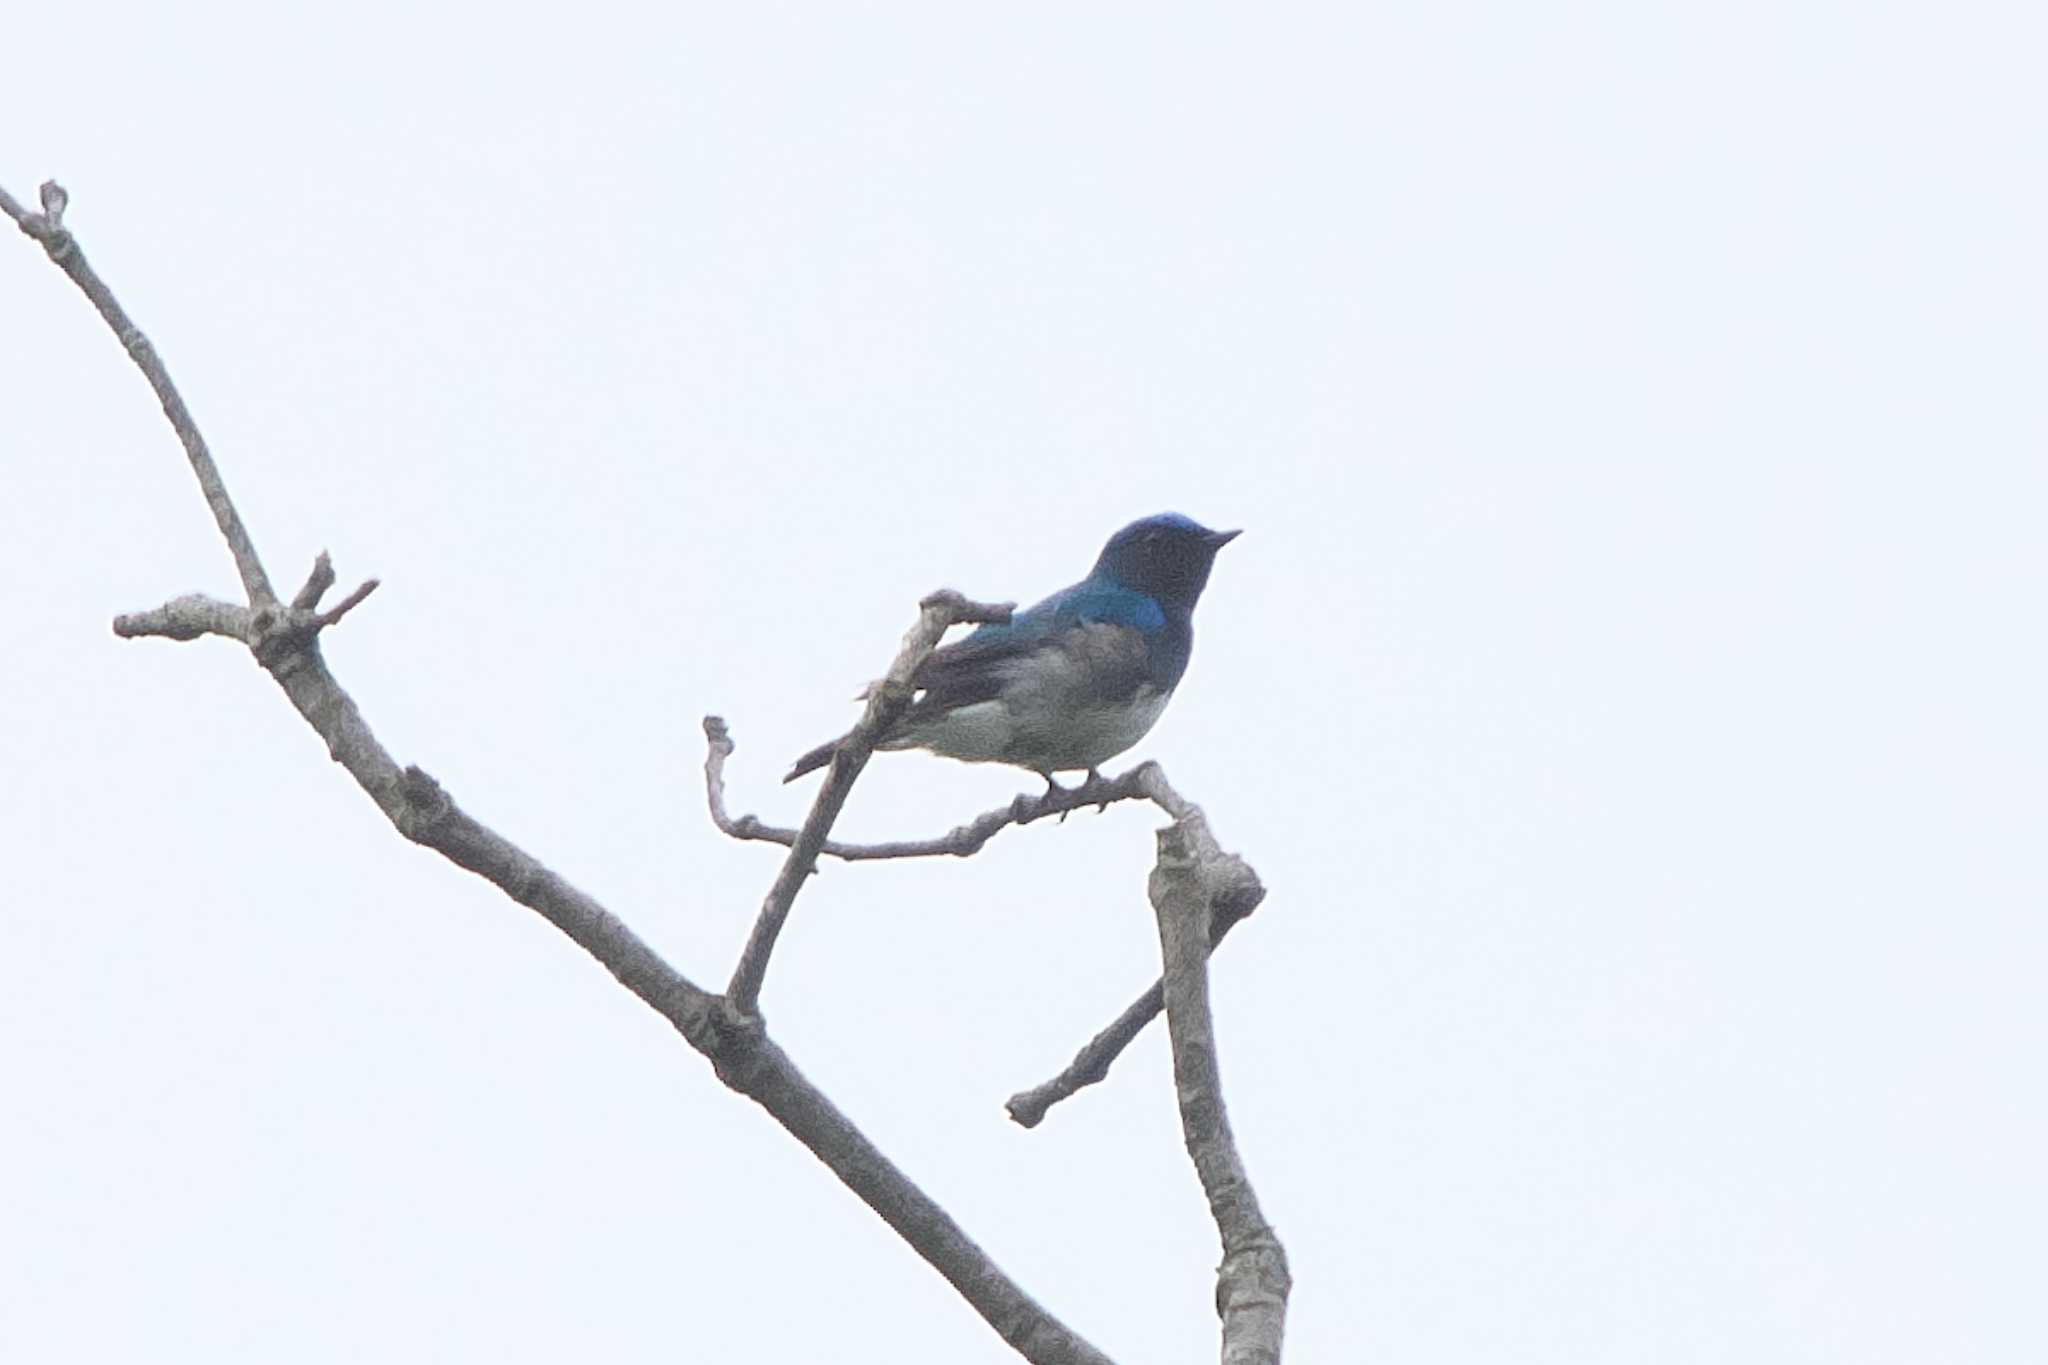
{"x": 1021, "y": 729}
{"x": 980, "y": 733}
{"x": 1098, "y": 735}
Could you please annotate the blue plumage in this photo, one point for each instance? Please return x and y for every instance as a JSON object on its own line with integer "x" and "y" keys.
{"x": 1076, "y": 679}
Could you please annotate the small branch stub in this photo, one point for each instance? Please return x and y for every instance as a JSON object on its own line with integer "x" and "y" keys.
{"x": 272, "y": 630}
{"x": 316, "y": 585}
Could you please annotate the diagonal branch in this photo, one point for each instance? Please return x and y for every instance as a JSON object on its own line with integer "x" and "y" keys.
{"x": 284, "y": 640}
{"x": 1191, "y": 878}
{"x": 48, "y": 228}
{"x": 1028, "y": 1108}
{"x": 887, "y": 700}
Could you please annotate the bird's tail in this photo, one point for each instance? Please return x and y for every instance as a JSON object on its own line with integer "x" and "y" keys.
{"x": 814, "y": 760}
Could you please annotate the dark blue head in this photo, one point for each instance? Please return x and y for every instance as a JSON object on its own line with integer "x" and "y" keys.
{"x": 1166, "y": 557}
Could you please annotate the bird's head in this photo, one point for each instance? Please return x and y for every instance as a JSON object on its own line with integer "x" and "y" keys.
{"x": 1166, "y": 557}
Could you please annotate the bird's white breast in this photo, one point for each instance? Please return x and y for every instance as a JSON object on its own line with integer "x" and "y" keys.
{"x": 1040, "y": 737}
{"x": 1099, "y": 734}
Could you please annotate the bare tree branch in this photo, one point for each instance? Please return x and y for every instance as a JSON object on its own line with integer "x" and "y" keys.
{"x": 187, "y": 618}
{"x": 1192, "y": 876}
{"x": 285, "y": 641}
{"x": 1028, "y": 1108}
{"x": 887, "y": 700}
{"x": 962, "y": 841}
{"x": 48, "y": 228}
{"x": 346, "y": 604}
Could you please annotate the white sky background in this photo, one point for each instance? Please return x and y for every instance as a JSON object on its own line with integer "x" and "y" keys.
{"x": 1628, "y": 682}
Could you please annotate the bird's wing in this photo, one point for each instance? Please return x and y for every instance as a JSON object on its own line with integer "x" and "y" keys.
{"x": 1105, "y": 629}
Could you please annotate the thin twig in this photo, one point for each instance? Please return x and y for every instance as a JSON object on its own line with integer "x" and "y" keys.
{"x": 960, "y": 842}
{"x": 887, "y": 700}
{"x": 348, "y": 603}
{"x": 1028, "y": 1108}
{"x": 1191, "y": 876}
{"x": 48, "y": 228}
{"x": 284, "y": 640}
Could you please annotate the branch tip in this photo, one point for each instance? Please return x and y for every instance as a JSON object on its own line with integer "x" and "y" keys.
{"x": 964, "y": 610}
{"x": 346, "y": 604}
{"x": 317, "y": 583}
{"x": 62, "y": 248}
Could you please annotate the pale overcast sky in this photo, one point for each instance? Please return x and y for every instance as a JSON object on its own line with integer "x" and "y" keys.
{"x": 1628, "y": 682}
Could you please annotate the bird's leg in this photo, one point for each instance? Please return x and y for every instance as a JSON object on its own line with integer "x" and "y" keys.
{"x": 1053, "y": 789}
{"x": 1093, "y": 781}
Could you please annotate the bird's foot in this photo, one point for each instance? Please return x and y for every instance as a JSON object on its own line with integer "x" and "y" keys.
{"x": 1054, "y": 789}
{"x": 1093, "y": 789}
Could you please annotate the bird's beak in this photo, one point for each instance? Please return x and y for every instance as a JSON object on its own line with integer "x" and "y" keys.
{"x": 1219, "y": 539}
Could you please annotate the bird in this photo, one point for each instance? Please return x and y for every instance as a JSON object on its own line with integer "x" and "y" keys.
{"x": 1071, "y": 682}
